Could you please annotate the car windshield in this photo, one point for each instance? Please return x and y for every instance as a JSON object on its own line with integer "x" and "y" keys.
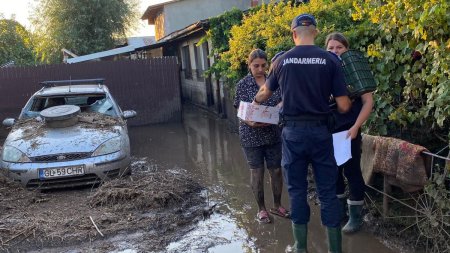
{"x": 87, "y": 103}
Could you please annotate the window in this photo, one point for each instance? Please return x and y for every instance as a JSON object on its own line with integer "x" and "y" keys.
{"x": 87, "y": 103}
{"x": 187, "y": 62}
{"x": 198, "y": 64}
{"x": 205, "y": 52}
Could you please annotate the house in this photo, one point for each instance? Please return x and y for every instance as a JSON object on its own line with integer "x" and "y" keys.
{"x": 179, "y": 26}
{"x": 174, "y": 15}
{"x": 194, "y": 60}
{"x": 128, "y": 50}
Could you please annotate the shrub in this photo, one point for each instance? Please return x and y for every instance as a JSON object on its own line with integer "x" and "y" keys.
{"x": 407, "y": 43}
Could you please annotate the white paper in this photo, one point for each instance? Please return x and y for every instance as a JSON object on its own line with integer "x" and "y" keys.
{"x": 342, "y": 147}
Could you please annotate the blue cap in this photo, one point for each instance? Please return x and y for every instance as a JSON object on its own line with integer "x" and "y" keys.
{"x": 303, "y": 20}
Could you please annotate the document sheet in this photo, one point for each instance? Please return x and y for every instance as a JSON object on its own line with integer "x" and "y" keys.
{"x": 342, "y": 147}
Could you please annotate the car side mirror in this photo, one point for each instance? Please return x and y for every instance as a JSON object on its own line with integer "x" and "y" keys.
{"x": 129, "y": 114}
{"x": 8, "y": 122}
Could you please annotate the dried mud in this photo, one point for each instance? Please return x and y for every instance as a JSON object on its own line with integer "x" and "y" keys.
{"x": 157, "y": 202}
{"x": 86, "y": 119}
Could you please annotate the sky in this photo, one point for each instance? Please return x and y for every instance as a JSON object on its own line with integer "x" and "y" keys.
{"x": 21, "y": 8}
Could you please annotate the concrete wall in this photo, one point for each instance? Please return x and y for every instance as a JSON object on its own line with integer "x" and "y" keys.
{"x": 209, "y": 94}
{"x": 180, "y": 14}
{"x": 198, "y": 89}
{"x": 192, "y": 89}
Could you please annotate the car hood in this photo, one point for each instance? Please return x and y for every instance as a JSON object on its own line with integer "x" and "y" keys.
{"x": 74, "y": 139}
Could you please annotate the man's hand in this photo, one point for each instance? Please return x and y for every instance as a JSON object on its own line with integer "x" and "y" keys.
{"x": 263, "y": 94}
{"x": 255, "y": 124}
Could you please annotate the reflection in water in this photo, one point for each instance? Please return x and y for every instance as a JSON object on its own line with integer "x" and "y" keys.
{"x": 218, "y": 234}
{"x": 205, "y": 147}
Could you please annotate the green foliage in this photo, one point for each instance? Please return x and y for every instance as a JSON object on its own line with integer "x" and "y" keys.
{"x": 80, "y": 26}
{"x": 219, "y": 34}
{"x": 268, "y": 28}
{"x": 413, "y": 93}
{"x": 436, "y": 188}
{"x": 15, "y": 44}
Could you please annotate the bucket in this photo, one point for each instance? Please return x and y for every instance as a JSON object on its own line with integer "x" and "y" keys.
{"x": 61, "y": 116}
{"x": 357, "y": 73}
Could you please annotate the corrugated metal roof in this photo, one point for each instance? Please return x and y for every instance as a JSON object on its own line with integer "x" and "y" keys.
{"x": 200, "y": 25}
{"x": 133, "y": 43}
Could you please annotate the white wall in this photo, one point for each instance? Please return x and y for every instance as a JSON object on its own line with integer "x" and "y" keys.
{"x": 180, "y": 14}
{"x": 193, "y": 89}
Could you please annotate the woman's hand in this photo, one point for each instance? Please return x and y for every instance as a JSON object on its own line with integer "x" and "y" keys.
{"x": 255, "y": 124}
{"x": 353, "y": 132}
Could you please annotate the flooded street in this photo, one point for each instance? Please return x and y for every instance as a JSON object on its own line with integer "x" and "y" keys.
{"x": 205, "y": 146}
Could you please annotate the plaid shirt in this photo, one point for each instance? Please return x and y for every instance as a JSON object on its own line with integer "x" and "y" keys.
{"x": 246, "y": 90}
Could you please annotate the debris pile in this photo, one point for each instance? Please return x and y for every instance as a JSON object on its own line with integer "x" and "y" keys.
{"x": 158, "y": 203}
{"x": 149, "y": 190}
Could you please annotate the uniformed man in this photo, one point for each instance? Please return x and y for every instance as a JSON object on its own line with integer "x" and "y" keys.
{"x": 307, "y": 75}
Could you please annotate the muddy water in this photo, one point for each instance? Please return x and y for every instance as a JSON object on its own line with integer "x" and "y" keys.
{"x": 204, "y": 146}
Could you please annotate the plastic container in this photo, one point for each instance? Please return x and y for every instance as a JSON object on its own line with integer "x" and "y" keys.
{"x": 357, "y": 73}
{"x": 61, "y": 116}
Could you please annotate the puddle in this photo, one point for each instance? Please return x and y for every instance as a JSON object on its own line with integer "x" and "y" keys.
{"x": 219, "y": 234}
{"x": 205, "y": 147}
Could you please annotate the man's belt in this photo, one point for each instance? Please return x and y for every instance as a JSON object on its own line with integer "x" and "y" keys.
{"x": 305, "y": 118}
{"x": 307, "y": 121}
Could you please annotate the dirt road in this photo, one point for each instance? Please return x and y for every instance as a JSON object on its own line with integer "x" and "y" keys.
{"x": 162, "y": 203}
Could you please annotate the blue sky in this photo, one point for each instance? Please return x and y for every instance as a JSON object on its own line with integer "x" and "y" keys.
{"x": 21, "y": 8}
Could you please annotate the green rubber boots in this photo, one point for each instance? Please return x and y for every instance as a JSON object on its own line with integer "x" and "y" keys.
{"x": 355, "y": 218}
{"x": 334, "y": 240}
{"x": 300, "y": 232}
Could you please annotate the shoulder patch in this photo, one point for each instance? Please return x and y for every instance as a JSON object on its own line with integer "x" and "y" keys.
{"x": 335, "y": 55}
{"x": 276, "y": 56}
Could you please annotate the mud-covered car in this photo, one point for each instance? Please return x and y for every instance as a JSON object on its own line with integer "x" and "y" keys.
{"x": 70, "y": 133}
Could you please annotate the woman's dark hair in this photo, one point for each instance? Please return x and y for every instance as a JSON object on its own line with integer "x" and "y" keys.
{"x": 256, "y": 53}
{"x": 338, "y": 37}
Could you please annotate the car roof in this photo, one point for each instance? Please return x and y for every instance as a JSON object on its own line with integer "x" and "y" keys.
{"x": 73, "y": 89}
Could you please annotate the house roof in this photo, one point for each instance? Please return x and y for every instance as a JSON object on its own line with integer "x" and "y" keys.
{"x": 188, "y": 30}
{"x": 68, "y": 52}
{"x": 133, "y": 43}
{"x": 152, "y": 11}
{"x": 7, "y": 64}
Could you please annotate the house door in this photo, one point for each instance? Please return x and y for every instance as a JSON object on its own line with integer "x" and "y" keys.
{"x": 208, "y": 83}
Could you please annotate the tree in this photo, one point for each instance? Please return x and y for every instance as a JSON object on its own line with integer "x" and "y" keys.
{"x": 81, "y": 26}
{"x": 15, "y": 43}
{"x": 407, "y": 46}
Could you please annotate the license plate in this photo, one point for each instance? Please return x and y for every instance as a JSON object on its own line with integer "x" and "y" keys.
{"x": 61, "y": 172}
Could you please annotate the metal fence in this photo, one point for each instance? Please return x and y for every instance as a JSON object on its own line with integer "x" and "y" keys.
{"x": 149, "y": 86}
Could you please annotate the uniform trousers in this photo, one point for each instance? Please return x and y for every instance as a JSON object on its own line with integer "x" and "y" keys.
{"x": 352, "y": 171}
{"x": 305, "y": 144}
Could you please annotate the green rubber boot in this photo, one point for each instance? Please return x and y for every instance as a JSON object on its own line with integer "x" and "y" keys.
{"x": 300, "y": 232}
{"x": 355, "y": 221}
{"x": 334, "y": 240}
